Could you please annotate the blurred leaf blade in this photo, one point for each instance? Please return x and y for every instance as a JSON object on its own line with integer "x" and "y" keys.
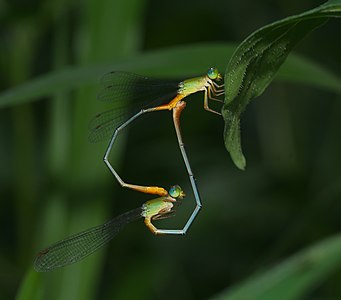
{"x": 29, "y": 288}
{"x": 294, "y": 277}
{"x": 255, "y": 63}
{"x": 176, "y": 61}
{"x": 303, "y": 71}
{"x": 109, "y": 32}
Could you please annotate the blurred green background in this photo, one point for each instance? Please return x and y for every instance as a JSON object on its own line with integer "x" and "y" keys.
{"x": 54, "y": 182}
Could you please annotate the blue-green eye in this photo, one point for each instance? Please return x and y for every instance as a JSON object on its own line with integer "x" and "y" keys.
{"x": 212, "y": 73}
{"x": 176, "y": 192}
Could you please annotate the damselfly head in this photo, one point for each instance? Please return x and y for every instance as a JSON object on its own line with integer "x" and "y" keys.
{"x": 214, "y": 74}
{"x": 176, "y": 192}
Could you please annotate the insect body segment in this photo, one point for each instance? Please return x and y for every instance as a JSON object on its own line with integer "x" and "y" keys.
{"x": 206, "y": 83}
{"x": 161, "y": 208}
{"x": 170, "y": 96}
{"x": 80, "y": 245}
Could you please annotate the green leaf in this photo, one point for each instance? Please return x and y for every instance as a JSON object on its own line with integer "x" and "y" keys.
{"x": 29, "y": 288}
{"x": 293, "y": 278}
{"x": 255, "y": 63}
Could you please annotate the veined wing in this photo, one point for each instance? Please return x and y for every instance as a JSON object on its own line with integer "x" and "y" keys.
{"x": 121, "y": 87}
{"x": 79, "y": 246}
{"x": 104, "y": 124}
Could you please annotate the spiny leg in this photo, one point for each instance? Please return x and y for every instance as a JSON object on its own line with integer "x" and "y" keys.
{"x": 218, "y": 86}
{"x": 166, "y": 215}
{"x": 206, "y": 107}
{"x": 212, "y": 94}
{"x": 217, "y": 89}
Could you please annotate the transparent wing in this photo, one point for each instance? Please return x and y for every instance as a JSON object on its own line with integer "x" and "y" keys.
{"x": 129, "y": 93}
{"x": 121, "y": 87}
{"x": 78, "y": 246}
{"x": 104, "y": 124}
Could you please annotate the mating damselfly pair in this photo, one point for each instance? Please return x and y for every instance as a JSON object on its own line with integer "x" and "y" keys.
{"x": 162, "y": 95}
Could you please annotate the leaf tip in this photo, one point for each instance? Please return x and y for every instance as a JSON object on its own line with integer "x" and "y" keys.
{"x": 239, "y": 161}
{"x": 232, "y": 139}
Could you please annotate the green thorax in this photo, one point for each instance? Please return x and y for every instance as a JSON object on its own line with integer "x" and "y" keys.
{"x": 153, "y": 207}
{"x": 193, "y": 85}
